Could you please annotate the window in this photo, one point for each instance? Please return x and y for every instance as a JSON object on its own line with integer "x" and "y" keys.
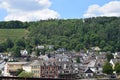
{"x": 50, "y": 72}
{"x": 66, "y": 71}
{"x": 43, "y": 76}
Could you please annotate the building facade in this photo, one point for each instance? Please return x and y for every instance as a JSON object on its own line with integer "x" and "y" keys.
{"x": 12, "y": 67}
{"x": 49, "y": 70}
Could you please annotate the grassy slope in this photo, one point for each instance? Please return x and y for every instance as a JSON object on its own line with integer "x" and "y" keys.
{"x": 12, "y": 34}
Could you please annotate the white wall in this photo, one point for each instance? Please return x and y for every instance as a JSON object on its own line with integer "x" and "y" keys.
{"x": 27, "y": 68}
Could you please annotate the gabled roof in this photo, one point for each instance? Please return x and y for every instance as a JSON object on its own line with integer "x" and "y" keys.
{"x": 89, "y": 71}
{"x": 92, "y": 63}
{"x": 117, "y": 53}
{"x": 100, "y": 62}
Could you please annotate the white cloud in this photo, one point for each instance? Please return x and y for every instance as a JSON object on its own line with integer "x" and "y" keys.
{"x": 28, "y": 10}
{"x": 110, "y": 9}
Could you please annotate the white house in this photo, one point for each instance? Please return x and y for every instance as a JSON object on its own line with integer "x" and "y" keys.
{"x": 117, "y": 55}
{"x": 44, "y": 57}
{"x": 91, "y": 65}
{"x": 95, "y": 48}
{"x": 113, "y": 61}
{"x": 24, "y": 52}
{"x": 40, "y": 47}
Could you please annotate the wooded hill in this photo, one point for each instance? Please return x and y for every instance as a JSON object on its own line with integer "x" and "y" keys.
{"x": 72, "y": 34}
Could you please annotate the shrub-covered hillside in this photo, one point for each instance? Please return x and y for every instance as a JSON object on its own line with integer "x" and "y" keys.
{"x": 78, "y": 33}
{"x": 72, "y": 34}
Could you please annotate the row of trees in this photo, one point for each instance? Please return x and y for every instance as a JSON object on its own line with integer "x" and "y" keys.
{"x": 13, "y": 25}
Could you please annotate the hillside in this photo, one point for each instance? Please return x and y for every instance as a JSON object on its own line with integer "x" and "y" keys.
{"x": 71, "y": 34}
{"x": 13, "y": 34}
{"x": 77, "y": 34}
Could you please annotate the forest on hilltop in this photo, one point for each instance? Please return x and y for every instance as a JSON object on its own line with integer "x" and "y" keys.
{"x": 71, "y": 34}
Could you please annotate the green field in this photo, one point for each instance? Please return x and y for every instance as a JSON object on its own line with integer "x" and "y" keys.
{"x": 12, "y": 34}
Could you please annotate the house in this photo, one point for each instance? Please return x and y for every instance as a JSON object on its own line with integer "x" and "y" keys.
{"x": 99, "y": 65}
{"x": 101, "y": 56}
{"x": 44, "y": 57}
{"x": 117, "y": 55}
{"x": 61, "y": 50}
{"x": 62, "y": 57}
{"x": 24, "y": 52}
{"x": 113, "y": 61}
{"x": 40, "y": 47}
{"x": 11, "y": 59}
{"x": 42, "y": 68}
{"x": 66, "y": 70}
{"x": 2, "y": 64}
{"x": 75, "y": 67}
{"x": 91, "y": 65}
{"x": 89, "y": 72}
{"x": 50, "y": 46}
{"x": 95, "y": 48}
{"x": 82, "y": 69}
{"x": 33, "y": 54}
{"x": 49, "y": 69}
{"x": 36, "y": 67}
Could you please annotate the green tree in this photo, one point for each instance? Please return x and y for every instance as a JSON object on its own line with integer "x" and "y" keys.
{"x": 107, "y": 68}
{"x": 29, "y": 48}
{"x": 0, "y": 72}
{"x": 2, "y": 47}
{"x": 117, "y": 67}
{"x": 9, "y": 43}
{"x": 25, "y": 74}
{"x": 18, "y": 72}
{"x": 37, "y": 52}
{"x": 20, "y": 43}
{"x": 78, "y": 60}
{"x": 16, "y": 51}
{"x": 102, "y": 44}
{"x": 40, "y": 51}
{"x": 79, "y": 47}
{"x": 109, "y": 56}
{"x": 36, "y": 41}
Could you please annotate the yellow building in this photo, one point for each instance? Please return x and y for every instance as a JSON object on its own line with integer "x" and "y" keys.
{"x": 11, "y": 67}
{"x": 36, "y": 68}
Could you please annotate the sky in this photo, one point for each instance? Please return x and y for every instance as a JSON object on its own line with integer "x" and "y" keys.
{"x": 34, "y": 10}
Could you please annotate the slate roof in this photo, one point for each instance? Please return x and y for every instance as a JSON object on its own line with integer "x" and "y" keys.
{"x": 115, "y": 60}
{"x": 88, "y": 71}
{"x": 37, "y": 62}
